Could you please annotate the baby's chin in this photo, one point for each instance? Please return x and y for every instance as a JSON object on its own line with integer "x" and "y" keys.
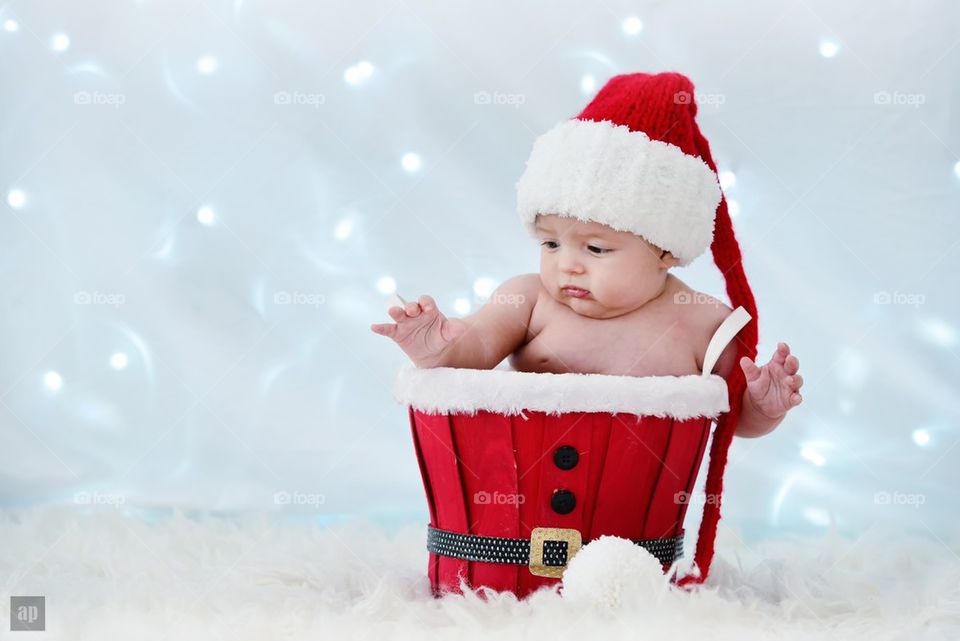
{"x": 587, "y": 307}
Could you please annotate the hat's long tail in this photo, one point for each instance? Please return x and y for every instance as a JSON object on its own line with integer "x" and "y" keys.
{"x": 726, "y": 255}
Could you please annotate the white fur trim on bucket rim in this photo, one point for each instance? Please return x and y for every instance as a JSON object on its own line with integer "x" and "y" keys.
{"x": 441, "y": 390}
{"x": 606, "y": 173}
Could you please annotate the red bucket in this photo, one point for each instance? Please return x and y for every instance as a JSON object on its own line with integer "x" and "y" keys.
{"x": 496, "y": 447}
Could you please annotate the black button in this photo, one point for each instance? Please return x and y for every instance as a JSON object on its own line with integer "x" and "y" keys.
{"x": 566, "y": 457}
{"x": 563, "y": 501}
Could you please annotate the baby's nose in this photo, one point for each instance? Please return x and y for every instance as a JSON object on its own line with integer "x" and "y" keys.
{"x": 571, "y": 265}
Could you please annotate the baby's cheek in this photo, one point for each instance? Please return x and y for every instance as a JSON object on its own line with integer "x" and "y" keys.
{"x": 613, "y": 280}
{"x": 617, "y": 278}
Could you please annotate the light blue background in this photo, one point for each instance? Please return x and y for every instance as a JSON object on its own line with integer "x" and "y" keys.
{"x": 846, "y": 187}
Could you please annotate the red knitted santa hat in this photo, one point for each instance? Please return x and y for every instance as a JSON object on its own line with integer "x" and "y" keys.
{"x": 635, "y": 160}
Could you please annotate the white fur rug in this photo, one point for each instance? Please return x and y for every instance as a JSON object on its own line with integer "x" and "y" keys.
{"x": 111, "y": 575}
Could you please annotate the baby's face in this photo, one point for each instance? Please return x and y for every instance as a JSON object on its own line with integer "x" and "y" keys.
{"x": 619, "y": 271}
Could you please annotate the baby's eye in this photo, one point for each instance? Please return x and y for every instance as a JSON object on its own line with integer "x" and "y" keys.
{"x": 597, "y": 250}
{"x": 549, "y": 244}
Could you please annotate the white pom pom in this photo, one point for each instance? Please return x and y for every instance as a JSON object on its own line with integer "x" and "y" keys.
{"x": 612, "y": 571}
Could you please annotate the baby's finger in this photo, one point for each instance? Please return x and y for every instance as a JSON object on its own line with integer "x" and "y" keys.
{"x": 412, "y": 309}
{"x": 427, "y": 303}
{"x": 750, "y": 369}
{"x": 791, "y": 364}
{"x": 395, "y": 300}
{"x": 396, "y": 313}
{"x": 384, "y": 329}
{"x": 795, "y": 399}
{"x": 795, "y": 382}
{"x": 783, "y": 350}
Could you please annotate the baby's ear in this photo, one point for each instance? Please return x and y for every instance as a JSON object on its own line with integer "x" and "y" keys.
{"x": 669, "y": 260}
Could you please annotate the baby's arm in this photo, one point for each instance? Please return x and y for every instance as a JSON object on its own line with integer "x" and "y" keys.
{"x": 479, "y": 341}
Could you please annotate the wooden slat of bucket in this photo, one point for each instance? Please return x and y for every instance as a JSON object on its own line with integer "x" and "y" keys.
{"x": 702, "y": 448}
{"x": 599, "y": 439}
{"x": 443, "y": 468}
{"x": 489, "y": 472}
{"x": 633, "y": 461}
{"x": 674, "y": 484}
{"x": 528, "y": 443}
{"x": 433, "y": 560}
{"x": 571, "y": 429}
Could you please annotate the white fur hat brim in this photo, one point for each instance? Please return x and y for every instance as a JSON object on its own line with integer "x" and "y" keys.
{"x": 605, "y": 173}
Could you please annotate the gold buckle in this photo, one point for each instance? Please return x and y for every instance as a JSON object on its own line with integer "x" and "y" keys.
{"x": 541, "y": 534}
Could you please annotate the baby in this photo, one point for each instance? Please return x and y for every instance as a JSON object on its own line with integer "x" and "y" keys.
{"x": 605, "y": 301}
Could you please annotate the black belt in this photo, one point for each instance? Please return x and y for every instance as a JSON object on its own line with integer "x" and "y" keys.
{"x": 551, "y": 548}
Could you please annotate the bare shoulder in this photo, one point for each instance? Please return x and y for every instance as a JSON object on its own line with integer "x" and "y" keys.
{"x": 519, "y": 291}
{"x": 499, "y": 327}
{"x": 704, "y": 316}
{"x": 513, "y": 301}
{"x": 521, "y": 283}
{"x": 702, "y": 310}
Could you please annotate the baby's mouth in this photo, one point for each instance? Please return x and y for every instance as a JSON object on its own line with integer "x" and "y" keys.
{"x": 575, "y": 292}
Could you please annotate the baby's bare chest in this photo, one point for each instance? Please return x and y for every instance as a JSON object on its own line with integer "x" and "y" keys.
{"x": 657, "y": 343}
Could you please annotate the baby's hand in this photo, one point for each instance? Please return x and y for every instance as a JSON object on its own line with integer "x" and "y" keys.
{"x": 421, "y": 331}
{"x": 775, "y": 387}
